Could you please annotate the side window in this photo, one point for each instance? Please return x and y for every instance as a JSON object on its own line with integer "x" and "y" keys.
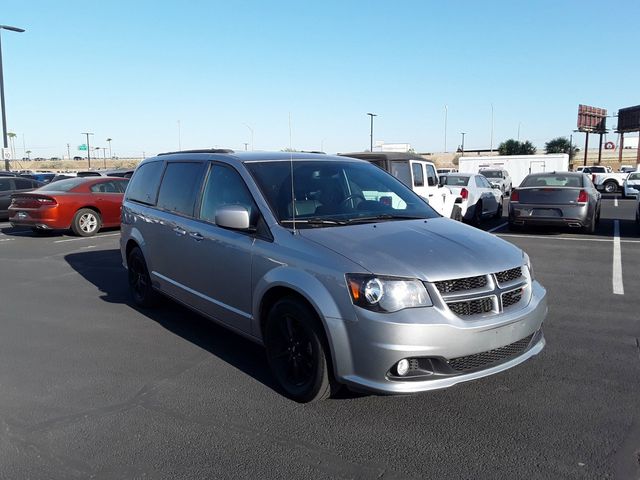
{"x": 479, "y": 183}
{"x": 431, "y": 175}
{"x": 4, "y": 185}
{"x": 634, "y": 176}
{"x": 180, "y": 186}
{"x": 225, "y": 186}
{"x": 122, "y": 185}
{"x": 23, "y": 184}
{"x": 143, "y": 187}
{"x": 418, "y": 175}
{"x": 105, "y": 187}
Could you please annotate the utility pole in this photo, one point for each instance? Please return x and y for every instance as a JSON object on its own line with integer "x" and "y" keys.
{"x": 109, "y": 142}
{"x": 68, "y": 151}
{"x": 7, "y": 166}
{"x": 88, "y": 148}
{"x": 462, "y": 148}
{"x": 371, "y": 115}
{"x": 446, "y": 114}
{"x": 491, "y": 143}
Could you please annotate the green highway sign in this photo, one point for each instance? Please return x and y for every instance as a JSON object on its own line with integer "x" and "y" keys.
{"x": 82, "y": 147}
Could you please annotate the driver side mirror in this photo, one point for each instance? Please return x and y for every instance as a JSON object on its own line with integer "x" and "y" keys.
{"x": 233, "y": 217}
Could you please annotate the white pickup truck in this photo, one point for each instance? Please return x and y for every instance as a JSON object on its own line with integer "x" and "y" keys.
{"x": 418, "y": 174}
{"x": 604, "y": 178}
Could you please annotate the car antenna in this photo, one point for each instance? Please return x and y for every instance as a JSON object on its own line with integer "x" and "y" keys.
{"x": 293, "y": 193}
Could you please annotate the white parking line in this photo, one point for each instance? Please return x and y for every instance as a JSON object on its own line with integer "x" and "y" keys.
{"x": 574, "y": 239}
{"x": 86, "y": 238}
{"x": 6, "y": 239}
{"x": 498, "y": 227}
{"x": 615, "y": 202}
{"x": 618, "y": 287}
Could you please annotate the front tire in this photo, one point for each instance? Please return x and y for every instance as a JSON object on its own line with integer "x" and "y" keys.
{"x": 296, "y": 352}
{"x": 86, "y": 222}
{"x": 499, "y": 210}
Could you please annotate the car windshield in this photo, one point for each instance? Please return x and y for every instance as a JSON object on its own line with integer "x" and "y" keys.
{"x": 335, "y": 193}
{"x": 492, "y": 173}
{"x": 63, "y": 185}
{"x": 454, "y": 180}
{"x": 550, "y": 180}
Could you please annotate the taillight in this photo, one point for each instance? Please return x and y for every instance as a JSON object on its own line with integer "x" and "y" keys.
{"x": 464, "y": 193}
{"x": 46, "y": 201}
{"x": 583, "y": 197}
{"x": 515, "y": 196}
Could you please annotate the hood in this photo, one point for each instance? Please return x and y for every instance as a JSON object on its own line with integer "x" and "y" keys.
{"x": 432, "y": 250}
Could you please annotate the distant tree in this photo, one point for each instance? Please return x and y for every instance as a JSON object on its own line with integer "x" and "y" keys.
{"x": 288, "y": 150}
{"x": 509, "y": 147}
{"x": 514, "y": 147}
{"x": 561, "y": 145}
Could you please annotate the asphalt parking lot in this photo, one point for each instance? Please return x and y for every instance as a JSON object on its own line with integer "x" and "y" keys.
{"x": 92, "y": 387}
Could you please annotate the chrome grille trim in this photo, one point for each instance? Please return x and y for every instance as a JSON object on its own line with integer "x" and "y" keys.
{"x": 510, "y": 275}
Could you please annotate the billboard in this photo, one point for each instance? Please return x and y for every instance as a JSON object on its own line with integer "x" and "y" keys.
{"x": 629, "y": 119}
{"x": 592, "y": 119}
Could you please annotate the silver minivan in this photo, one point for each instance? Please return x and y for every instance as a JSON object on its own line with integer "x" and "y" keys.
{"x": 345, "y": 275}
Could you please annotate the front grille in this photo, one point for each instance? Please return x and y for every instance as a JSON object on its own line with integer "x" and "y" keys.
{"x": 509, "y": 275}
{"x": 472, "y": 307}
{"x": 511, "y": 298}
{"x": 483, "y": 359}
{"x": 459, "y": 284}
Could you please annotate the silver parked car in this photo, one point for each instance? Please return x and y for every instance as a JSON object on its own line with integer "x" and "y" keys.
{"x": 498, "y": 178}
{"x": 345, "y": 275}
{"x": 555, "y": 199}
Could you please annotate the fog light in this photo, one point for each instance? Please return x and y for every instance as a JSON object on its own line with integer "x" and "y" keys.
{"x": 402, "y": 367}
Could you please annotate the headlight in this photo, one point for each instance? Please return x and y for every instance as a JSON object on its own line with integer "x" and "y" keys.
{"x": 527, "y": 262}
{"x": 387, "y": 294}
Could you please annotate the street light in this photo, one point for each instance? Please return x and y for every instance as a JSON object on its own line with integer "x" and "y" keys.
{"x": 462, "y": 148}
{"x": 4, "y": 115}
{"x": 371, "y": 115}
{"x": 88, "y": 147}
{"x": 109, "y": 142}
{"x": 251, "y": 130}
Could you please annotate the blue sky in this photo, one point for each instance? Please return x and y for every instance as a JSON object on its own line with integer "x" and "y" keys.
{"x": 131, "y": 70}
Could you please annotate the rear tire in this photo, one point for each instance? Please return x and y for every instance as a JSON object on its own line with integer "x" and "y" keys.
{"x": 499, "y": 210}
{"x": 140, "y": 286}
{"x": 477, "y": 215}
{"x": 296, "y": 351}
{"x": 456, "y": 213}
{"x": 610, "y": 187}
{"x": 86, "y": 222}
{"x": 591, "y": 228}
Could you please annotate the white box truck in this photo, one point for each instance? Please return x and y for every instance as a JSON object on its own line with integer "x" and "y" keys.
{"x": 518, "y": 166}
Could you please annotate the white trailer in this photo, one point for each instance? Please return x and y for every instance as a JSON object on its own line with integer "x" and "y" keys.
{"x": 518, "y": 166}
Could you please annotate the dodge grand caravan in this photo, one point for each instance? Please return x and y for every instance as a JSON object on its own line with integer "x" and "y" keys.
{"x": 339, "y": 270}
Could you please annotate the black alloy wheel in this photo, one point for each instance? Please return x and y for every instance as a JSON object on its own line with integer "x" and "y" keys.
{"x": 139, "y": 280}
{"x": 295, "y": 351}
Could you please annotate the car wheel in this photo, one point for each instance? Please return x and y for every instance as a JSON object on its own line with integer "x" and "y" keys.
{"x": 139, "y": 280}
{"x": 591, "y": 228}
{"x": 456, "y": 213}
{"x": 611, "y": 187}
{"x": 477, "y": 215}
{"x": 499, "y": 210}
{"x": 86, "y": 222}
{"x": 513, "y": 227}
{"x": 295, "y": 351}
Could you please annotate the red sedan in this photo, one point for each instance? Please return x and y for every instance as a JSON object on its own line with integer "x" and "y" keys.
{"x": 83, "y": 204}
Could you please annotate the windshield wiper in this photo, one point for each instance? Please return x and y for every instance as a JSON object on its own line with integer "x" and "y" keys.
{"x": 384, "y": 216}
{"x": 316, "y": 222}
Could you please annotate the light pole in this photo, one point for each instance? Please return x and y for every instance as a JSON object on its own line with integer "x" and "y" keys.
{"x": 104, "y": 156}
{"x": 4, "y": 115}
{"x": 446, "y": 114}
{"x": 68, "y": 151}
{"x": 491, "y": 144}
{"x": 109, "y": 142}
{"x": 88, "y": 148}
{"x": 462, "y": 147}
{"x": 179, "y": 137}
{"x": 371, "y": 134}
{"x": 251, "y": 130}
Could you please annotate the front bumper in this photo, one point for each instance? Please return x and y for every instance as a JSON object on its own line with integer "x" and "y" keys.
{"x": 378, "y": 342}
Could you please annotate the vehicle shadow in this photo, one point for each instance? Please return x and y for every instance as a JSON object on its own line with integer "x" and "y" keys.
{"x": 28, "y": 232}
{"x": 628, "y": 229}
{"x": 104, "y": 270}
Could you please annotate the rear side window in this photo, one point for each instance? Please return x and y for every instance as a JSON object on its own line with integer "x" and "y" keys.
{"x": 180, "y": 186}
{"x": 105, "y": 187}
{"x": 24, "y": 184}
{"x": 431, "y": 175}
{"x": 143, "y": 187}
{"x": 418, "y": 175}
{"x": 4, "y": 185}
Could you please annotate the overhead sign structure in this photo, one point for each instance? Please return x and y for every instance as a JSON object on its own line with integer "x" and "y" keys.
{"x": 82, "y": 147}
{"x": 629, "y": 119}
{"x": 592, "y": 119}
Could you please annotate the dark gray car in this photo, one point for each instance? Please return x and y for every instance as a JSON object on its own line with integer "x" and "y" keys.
{"x": 566, "y": 199}
{"x": 345, "y": 275}
{"x": 11, "y": 185}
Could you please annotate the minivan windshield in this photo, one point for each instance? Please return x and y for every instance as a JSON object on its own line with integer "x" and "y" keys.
{"x": 492, "y": 173}
{"x": 335, "y": 193}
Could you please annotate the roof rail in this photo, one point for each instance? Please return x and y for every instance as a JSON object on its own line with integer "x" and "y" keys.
{"x": 203, "y": 150}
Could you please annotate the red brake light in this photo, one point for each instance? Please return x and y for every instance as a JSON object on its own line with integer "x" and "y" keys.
{"x": 515, "y": 196}
{"x": 46, "y": 201}
{"x": 464, "y": 193}
{"x": 583, "y": 197}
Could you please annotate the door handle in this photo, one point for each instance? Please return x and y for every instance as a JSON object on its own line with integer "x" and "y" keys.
{"x": 179, "y": 231}
{"x": 196, "y": 236}
{"x": 431, "y": 194}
